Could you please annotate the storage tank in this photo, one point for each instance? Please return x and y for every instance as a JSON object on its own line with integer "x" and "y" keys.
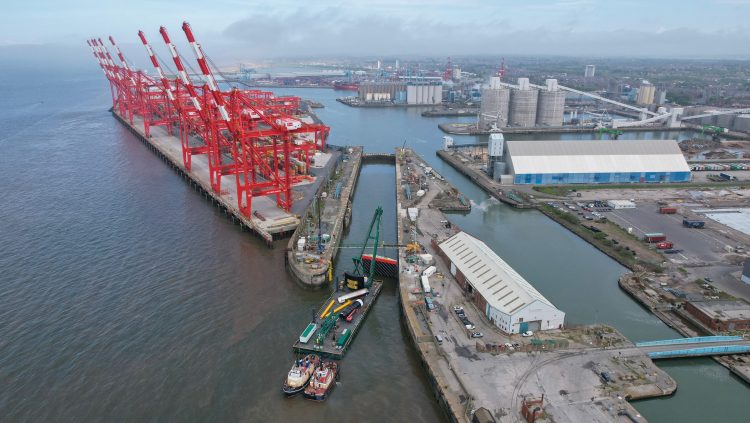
{"x": 523, "y": 104}
{"x": 420, "y": 93}
{"x": 425, "y": 93}
{"x": 725, "y": 121}
{"x": 495, "y": 101}
{"x": 742, "y": 123}
{"x": 551, "y": 105}
{"x": 411, "y": 94}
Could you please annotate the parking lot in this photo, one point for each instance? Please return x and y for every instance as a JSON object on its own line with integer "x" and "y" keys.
{"x": 697, "y": 245}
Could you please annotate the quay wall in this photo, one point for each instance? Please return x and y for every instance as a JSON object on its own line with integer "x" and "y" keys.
{"x": 319, "y": 277}
{"x": 229, "y": 208}
{"x": 424, "y": 344}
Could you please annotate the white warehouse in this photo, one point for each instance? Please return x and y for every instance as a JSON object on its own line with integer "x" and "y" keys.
{"x": 507, "y": 299}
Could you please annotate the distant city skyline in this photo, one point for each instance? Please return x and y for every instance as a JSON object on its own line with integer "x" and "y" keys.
{"x": 254, "y": 29}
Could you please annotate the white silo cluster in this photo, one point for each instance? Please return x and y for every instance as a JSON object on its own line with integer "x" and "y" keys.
{"x": 523, "y": 104}
{"x": 551, "y": 105}
{"x": 494, "y": 106}
{"x": 424, "y": 94}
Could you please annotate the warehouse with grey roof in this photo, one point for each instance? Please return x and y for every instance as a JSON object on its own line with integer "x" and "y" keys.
{"x": 595, "y": 162}
{"x": 508, "y": 300}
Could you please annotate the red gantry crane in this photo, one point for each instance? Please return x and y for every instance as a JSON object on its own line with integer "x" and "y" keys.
{"x": 251, "y": 134}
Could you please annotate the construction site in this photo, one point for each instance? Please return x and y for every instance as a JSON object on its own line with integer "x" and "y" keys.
{"x": 246, "y": 150}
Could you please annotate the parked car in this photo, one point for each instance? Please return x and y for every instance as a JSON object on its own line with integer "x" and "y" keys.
{"x": 458, "y": 309}
{"x": 470, "y": 326}
{"x": 439, "y": 339}
{"x": 477, "y": 335}
{"x": 527, "y": 334}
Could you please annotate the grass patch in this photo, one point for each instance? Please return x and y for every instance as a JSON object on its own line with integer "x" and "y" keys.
{"x": 559, "y": 191}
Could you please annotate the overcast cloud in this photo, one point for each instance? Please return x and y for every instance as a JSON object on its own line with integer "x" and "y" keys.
{"x": 239, "y": 29}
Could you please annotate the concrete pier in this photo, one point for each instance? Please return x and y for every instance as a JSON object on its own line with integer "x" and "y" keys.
{"x": 276, "y": 223}
{"x": 310, "y": 267}
{"x": 579, "y": 374}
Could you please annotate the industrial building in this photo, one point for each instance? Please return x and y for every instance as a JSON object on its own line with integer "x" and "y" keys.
{"x": 382, "y": 91}
{"x": 426, "y": 93}
{"x": 590, "y": 71}
{"x": 721, "y": 316}
{"x": 505, "y": 297}
{"x": 494, "y": 106}
{"x": 593, "y": 162}
{"x": 401, "y": 92}
{"x": 523, "y": 104}
{"x": 645, "y": 95}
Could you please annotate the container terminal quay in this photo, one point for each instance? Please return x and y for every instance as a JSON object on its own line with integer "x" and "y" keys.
{"x": 493, "y": 347}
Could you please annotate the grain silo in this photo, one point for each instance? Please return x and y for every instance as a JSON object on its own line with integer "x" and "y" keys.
{"x": 551, "y": 105}
{"x": 411, "y": 94}
{"x": 494, "y": 106}
{"x": 741, "y": 123}
{"x": 725, "y": 121}
{"x": 523, "y": 103}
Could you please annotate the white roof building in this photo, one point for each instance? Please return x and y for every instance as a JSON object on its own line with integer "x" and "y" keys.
{"x": 595, "y": 157}
{"x": 506, "y": 298}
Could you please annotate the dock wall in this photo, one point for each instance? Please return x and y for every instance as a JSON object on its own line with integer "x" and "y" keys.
{"x": 480, "y": 180}
{"x": 319, "y": 277}
{"x": 424, "y": 343}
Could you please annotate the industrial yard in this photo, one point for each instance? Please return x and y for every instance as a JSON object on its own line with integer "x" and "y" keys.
{"x": 465, "y": 363}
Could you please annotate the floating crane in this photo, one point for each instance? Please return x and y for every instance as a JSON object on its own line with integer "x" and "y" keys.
{"x": 359, "y": 268}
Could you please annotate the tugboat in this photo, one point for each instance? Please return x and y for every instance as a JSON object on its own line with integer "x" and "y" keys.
{"x": 300, "y": 374}
{"x": 322, "y": 382}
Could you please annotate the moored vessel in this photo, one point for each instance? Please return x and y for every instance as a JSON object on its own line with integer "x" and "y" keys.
{"x": 322, "y": 382}
{"x": 300, "y": 374}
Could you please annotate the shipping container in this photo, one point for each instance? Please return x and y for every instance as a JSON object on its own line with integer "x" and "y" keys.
{"x": 426, "y": 284}
{"x": 667, "y": 210}
{"x": 654, "y": 237}
{"x": 697, "y": 224}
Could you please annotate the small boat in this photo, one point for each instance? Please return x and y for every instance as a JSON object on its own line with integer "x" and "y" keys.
{"x": 300, "y": 374}
{"x": 322, "y": 382}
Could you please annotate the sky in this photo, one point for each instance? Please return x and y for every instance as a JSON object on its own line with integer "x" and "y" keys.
{"x": 248, "y": 29}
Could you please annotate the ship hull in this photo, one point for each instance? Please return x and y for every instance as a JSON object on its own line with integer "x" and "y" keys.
{"x": 384, "y": 266}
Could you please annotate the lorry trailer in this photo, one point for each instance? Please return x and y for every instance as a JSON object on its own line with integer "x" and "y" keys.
{"x": 654, "y": 237}
{"x": 667, "y": 210}
{"x": 697, "y": 224}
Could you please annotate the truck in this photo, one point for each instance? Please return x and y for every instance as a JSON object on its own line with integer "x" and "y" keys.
{"x": 696, "y": 224}
{"x": 429, "y": 271}
{"x": 654, "y": 237}
{"x": 426, "y": 284}
{"x": 667, "y": 210}
{"x": 664, "y": 245}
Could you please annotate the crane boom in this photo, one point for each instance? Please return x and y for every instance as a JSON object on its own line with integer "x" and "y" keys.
{"x": 164, "y": 81}
{"x": 212, "y": 85}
